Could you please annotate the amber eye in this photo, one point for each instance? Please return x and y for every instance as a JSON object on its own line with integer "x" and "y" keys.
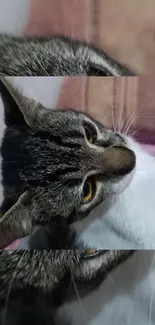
{"x": 91, "y": 252}
{"x": 87, "y": 192}
{"x": 91, "y": 133}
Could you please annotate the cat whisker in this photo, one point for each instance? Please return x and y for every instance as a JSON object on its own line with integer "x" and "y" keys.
{"x": 134, "y": 132}
{"x": 129, "y": 126}
{"x": 122, "y": 124}
{"x": 110, "y": 278}
{"x": 129, "y": 122}
{"x": 119, "y": 124}
{"x": 113, "y": 119}
{"x": 78, "y": 296}
{"x": 131, "y": 119}
{"x": 9, "y": 289}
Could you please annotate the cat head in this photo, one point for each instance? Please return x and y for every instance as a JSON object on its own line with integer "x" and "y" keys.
{"x": 58, "y": 165}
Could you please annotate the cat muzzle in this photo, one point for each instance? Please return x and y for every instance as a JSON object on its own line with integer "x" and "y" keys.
{"x": 118, "y": 160}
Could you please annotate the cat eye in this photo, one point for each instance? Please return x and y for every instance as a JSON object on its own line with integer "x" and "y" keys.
{"x": 98, "y": 71}
{"x": 90, "y": 132}
{"x": 91, "y": 253}
{"x": 88, "y": 191}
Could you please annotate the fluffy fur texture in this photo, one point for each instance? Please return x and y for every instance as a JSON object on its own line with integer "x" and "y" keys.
{"x": 48, "y": 161}
{"x": 57, "y": 56}
{"x": 33, "y": 285}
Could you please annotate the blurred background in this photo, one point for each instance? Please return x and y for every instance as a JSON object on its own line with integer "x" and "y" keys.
{"x": 14, "y": 15}
{"x": 126, "y": 31}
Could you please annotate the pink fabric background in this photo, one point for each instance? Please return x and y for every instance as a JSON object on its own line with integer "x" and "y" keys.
{"x": 126, "y": 30}
{"x": 57, "y": 17}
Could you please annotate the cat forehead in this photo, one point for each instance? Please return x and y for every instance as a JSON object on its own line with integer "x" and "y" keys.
{"x": 69, "y": 119}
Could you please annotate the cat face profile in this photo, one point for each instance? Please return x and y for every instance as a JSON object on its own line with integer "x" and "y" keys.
{"x": 57, "y": 165}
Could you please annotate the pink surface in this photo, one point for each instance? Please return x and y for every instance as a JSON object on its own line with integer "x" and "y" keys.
{"x": 48, "y": 17}
{"x": 126, "y": 30}
{"x": 13, "y": 246}
{"x": 72, "y": 93}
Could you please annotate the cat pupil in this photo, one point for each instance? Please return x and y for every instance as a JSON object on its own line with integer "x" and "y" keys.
{"x": 86, "y": 189}
{"x": 90, "y": 133}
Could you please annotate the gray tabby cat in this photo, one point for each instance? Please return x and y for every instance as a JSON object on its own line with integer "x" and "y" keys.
{"x": 57, "y": 165}
{"x": 54, "y": 56}
{"x": 34, "y": 284}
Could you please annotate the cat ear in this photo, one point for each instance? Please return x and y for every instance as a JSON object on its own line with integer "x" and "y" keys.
{"x": 16, "y": 222}
{"x": 19, "y": 109}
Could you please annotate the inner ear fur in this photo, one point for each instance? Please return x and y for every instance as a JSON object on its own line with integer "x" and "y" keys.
{"x": 16, "y": 223}
{"x": 18, "y": 109}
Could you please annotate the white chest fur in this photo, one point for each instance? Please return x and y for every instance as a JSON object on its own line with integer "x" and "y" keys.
{"x": 128, "y": 219}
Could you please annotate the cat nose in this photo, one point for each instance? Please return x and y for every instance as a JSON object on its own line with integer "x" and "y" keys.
{"x": 119, "y": 160}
